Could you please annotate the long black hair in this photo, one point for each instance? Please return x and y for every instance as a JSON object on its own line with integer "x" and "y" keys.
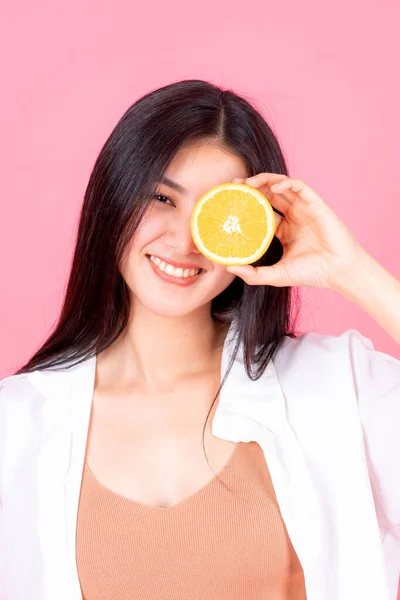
{"x": 96, "y": 305}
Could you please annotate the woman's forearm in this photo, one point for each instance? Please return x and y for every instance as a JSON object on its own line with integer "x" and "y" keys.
{"x": 376, "y": 291}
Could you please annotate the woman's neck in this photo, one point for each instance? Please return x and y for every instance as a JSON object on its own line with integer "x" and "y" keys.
{"x": 155, "y": 352}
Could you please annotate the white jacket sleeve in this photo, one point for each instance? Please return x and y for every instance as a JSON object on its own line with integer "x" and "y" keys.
{"x": 4, "y": 407}
{"x": 377, "y": 382}
{"x": 2, "y": 549}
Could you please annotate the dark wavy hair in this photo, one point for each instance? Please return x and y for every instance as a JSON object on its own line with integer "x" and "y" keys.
{"x": 132, "y": 161}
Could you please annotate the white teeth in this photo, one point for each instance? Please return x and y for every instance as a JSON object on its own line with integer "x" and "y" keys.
{"x": 170, "y": 270}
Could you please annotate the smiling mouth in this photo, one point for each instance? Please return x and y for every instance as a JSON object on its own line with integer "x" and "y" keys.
{"x": 176, "y": 272}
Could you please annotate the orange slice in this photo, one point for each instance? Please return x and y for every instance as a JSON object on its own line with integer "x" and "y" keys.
{"x": 233, "y": 224}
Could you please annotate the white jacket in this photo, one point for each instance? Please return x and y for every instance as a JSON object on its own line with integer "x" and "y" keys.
{"x": 326, "y": 413}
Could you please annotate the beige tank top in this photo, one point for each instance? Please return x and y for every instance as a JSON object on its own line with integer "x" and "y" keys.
{"x": 218, "y": 544}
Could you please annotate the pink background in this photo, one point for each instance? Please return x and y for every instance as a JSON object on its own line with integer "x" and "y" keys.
{"x": 324, "y": 74}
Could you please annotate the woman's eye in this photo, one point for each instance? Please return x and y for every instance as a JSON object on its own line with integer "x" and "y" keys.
{"x": 163, "y": 199}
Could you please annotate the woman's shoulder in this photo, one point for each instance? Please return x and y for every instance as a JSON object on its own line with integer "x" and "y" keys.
{"x": 349, "y": 360}
{"x": 22, "y": 388}
{"x": 33, "y": 407}
{"x": 44, "y": 384}
{"x": 320, "y": 349}
{"x": 15, "y": 388}
{"x": 17, "y": 419}
{"x": 324, "y": 342}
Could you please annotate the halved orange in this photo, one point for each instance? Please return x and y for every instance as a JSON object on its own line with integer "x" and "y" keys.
{"x": 233, "y": 224}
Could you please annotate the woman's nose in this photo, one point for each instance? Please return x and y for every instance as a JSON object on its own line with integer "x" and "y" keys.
{"x": 180, "y": 235}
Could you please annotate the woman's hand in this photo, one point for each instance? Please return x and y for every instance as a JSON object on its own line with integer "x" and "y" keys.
{"x": 319, "y": 250}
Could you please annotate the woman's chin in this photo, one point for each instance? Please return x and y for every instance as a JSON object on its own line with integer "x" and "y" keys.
{"x": 170, "y": 309}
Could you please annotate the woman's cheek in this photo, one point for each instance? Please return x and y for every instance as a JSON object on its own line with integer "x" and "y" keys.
{"x": 152, "y": 227}
{"x": 222, "y": 277}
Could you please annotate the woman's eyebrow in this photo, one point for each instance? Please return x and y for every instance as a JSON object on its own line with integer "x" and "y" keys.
{"x": 173, "y": 185}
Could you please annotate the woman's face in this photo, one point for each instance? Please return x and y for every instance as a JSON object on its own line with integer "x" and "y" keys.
{"x": 162, "y": 249}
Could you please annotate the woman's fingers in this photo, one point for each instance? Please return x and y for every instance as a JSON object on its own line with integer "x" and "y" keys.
{"x": 276, "y": 275}
{"x": 278, "y": 221}
{"x": 277, "y": 201}
{"x": 277, "y": 183}
{"x": 266, "y": 179}
{"x": 270, "y": 182}
{"x": 296, "y": 188}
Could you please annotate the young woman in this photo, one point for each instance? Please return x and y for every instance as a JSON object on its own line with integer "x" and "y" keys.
{"x": 174, "y": 437}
